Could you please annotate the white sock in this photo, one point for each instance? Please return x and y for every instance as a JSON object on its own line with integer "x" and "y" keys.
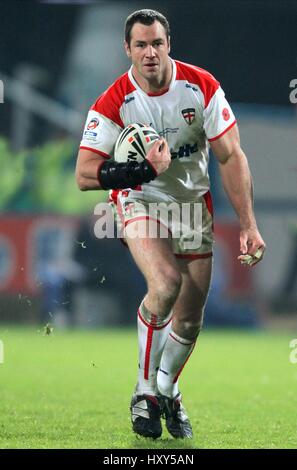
{"x": 152, "y": 335}
{"x": 176, "y": 352}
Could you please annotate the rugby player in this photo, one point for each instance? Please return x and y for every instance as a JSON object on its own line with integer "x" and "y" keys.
{"x": 187, "y": 107}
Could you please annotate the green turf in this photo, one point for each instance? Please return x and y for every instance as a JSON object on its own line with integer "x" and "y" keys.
{"x": 72, "y": 390}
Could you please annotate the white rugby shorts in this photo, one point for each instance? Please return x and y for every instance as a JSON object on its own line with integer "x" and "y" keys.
{"x": 187, "y": 225}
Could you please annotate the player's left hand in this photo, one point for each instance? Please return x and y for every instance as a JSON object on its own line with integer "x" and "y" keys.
{"x": 252, "y": 247}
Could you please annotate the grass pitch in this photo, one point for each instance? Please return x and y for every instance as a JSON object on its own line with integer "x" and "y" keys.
{"x": 73, "y": 389}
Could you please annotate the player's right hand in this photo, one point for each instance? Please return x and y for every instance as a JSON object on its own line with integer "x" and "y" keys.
{"x": 159, "y": 156}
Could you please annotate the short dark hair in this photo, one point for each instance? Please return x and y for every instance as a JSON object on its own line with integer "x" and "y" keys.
{"x": 146, "y": 17}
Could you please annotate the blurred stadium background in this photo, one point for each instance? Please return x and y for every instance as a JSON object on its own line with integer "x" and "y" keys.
{"x": 55, "y": 59}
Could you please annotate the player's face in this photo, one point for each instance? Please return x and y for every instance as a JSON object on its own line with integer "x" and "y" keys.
{"x": 148, "y": 50}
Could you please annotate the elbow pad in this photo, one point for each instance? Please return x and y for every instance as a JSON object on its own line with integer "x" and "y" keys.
{"x": 115, "y": 175}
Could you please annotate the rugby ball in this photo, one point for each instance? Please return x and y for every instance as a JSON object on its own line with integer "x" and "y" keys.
{"x": 134, "y": 142}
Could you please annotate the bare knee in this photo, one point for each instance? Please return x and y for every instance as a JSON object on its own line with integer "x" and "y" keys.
{"x": 165, "y": 287}
{"x": 171, "y": 282}
{"x": 168, "y": 283}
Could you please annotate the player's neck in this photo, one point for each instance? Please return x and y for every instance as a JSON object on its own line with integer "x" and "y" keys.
{"x": 157, "y": 85}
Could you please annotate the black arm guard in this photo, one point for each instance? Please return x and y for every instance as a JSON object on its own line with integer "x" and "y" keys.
{"x": 115, "y": 175}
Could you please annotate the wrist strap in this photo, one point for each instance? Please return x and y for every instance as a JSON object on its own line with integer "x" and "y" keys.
{"x": 115, "y": 175}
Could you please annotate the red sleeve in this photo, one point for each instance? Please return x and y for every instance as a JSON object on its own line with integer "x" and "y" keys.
{"x": 195, "y": 75}
{"x": 110, "y": 102}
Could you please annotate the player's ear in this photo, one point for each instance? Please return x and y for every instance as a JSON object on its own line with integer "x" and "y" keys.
{"x": 169, "y": 45}
{"x": 127, "y": 49}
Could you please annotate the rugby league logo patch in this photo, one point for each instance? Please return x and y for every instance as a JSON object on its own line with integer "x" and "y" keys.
{"x": 93, "y": 123}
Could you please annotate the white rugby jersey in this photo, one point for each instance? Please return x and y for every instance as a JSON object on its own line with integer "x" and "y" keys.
{"x": 192, "y": 112}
